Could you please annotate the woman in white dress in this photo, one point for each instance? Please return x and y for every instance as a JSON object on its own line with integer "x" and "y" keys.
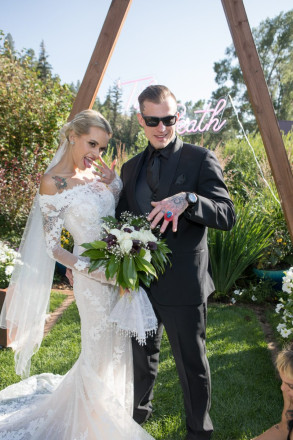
{"x": 94, "y": 399}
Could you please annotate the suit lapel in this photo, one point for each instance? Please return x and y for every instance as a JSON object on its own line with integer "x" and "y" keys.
{"x": 169, "y": 172}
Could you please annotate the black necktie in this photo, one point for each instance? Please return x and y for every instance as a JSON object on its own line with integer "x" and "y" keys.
{"x": 153, "y": 171}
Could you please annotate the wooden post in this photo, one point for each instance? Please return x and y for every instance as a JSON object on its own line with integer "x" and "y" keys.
{"x": 262, "y": 105}
{"x": 101, "y": 56}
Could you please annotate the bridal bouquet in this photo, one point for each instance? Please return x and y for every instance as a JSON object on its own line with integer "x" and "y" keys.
{"x": 132, "y": 253}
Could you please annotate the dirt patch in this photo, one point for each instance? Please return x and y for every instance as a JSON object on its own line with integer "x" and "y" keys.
{"x": 56, "y": 315}
{"x": 268, "y": 332}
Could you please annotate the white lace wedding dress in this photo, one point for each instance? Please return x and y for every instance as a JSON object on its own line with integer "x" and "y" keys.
{"x": 94, "y": 399}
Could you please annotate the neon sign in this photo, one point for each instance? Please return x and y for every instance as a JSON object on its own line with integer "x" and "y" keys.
{"x": 135, "y": 91}
{"x": 209, "y": 119}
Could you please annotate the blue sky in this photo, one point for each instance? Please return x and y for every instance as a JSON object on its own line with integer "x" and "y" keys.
{"x": 174, "y": 42}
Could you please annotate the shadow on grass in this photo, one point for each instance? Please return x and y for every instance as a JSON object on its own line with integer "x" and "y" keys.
{"x": 246, "y": 398}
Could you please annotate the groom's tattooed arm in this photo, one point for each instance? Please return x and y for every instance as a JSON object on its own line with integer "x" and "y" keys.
{"x": 60, "y": 182}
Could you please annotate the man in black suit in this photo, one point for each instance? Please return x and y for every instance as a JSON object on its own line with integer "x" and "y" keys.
{"x": 180, "y": 185}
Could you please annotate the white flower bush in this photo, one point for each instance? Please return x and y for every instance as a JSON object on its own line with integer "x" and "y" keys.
{"x": 285, "y": 307}
{"x": 8, "y": 257}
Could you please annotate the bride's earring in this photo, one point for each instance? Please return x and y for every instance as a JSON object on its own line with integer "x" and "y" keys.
{"x": 72, "y": 142}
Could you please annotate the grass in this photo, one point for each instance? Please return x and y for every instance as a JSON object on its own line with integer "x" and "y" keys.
{"x": 246, "y": 398}
{"x": 56, "y": 299}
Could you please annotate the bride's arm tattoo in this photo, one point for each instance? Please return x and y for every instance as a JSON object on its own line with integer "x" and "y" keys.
{"x": 289, "y": 414}
{"x": 60, "y": 182}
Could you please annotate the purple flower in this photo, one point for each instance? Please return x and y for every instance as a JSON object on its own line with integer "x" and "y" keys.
{"x": 136, "y": 246}
{"x": 110, "y": 240}
{"x": 127, "y": 230}
{"x": 152, "y": 246}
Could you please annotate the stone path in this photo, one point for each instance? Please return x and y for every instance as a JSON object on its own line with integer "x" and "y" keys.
{"x": 56, "y": 315}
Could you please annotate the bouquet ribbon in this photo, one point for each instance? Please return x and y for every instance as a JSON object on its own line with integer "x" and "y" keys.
{"x": 133, "y": 315}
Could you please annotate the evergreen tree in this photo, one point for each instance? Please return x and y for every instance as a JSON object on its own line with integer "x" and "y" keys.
{"x": 43, "y": 67}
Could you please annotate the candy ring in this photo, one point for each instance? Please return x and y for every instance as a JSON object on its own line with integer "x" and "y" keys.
{"x": 168, "y": 216}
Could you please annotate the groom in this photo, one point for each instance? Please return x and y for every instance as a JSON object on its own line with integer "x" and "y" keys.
{"x": 181, "y": 188}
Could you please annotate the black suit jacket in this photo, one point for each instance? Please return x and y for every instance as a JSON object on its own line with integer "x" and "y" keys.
{"x": 194, "y": 169}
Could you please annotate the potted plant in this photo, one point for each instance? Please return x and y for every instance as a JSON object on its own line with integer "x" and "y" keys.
{"x": 276, "y": 258}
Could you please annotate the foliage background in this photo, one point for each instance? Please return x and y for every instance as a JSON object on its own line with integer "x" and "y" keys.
{"x": 34, "y": 104}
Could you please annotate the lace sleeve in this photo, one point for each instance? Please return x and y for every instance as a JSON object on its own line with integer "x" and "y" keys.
{"x": 53, "y": 222}
{"x": 115, "y": 187}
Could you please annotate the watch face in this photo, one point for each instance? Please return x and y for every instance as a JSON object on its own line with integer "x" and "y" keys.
{"x": 191, "y": 198}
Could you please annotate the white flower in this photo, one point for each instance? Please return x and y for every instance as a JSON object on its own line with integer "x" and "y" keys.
{"x": 233, "y": 300}
{"x": 254, "y": 298}
{"x": 285, "y": 332}
{"x": 287, "y": 287}
{"x": 280, "y": 327}
{"x": 8, "y": 270}
{"x": 237, "y": 292}
{"x": 144, "y": 236}
{"x": 118, "y": 234}
{"x": 125, "y": 244}
{"x": 279, "y": 306}
{"x": 147, "y": 255}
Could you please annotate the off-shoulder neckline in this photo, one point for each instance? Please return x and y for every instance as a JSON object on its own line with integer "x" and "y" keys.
{"x": 66, "y": 191}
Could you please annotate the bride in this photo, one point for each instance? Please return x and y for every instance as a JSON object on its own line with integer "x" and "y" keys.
{"x": 94, "y": 399}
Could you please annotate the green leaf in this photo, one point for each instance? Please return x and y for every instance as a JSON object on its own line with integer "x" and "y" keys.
{"x": 145, "y": 278}
{"x": 112, "y": 267}
{"x": 87, "y": 245}
{"x": 95, "y": 254}
{"x": 129, "y": 271}
{"x": 120, "y": 278}
{"x": 96, "y": 264}
{"x": 145, "y": 266}
{"x": 99, "y": 244}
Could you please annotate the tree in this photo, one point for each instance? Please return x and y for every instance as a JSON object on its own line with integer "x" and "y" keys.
{"x": 31, "y": 114}
{"x": 274, "y": 42}
{"x": 43, "y": 67}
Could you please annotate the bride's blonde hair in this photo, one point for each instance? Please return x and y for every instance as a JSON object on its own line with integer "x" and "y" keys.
{"x": 82, "y": 122}
{"x": 284, "y": 361}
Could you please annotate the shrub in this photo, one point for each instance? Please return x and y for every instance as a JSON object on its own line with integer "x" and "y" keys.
{"x": 8, "y": 257}
{"x": 232, "y": 252}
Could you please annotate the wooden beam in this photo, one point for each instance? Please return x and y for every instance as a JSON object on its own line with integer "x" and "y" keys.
{"x": 101, "y": 56}
{"x": 262, "y": 105}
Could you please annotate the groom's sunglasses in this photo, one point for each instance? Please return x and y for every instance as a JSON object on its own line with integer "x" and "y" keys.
{"x": 153, "y": 121}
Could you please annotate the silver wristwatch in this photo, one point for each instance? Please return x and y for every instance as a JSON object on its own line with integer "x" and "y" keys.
{"x": 191, "y": 198}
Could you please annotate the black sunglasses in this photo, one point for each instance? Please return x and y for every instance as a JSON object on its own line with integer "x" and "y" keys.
{"x": 153, "y": 121}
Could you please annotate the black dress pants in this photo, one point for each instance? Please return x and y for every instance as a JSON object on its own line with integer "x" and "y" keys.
{"x": 186, "y": 330}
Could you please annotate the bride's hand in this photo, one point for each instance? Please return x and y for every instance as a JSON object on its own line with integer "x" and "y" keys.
{"x": 106, "y": 174}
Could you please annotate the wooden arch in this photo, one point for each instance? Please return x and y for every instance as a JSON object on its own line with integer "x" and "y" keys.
{"x": 253, "y": 76}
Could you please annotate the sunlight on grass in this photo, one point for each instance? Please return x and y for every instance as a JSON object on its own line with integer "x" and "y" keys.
{"x": 246, "y": 398}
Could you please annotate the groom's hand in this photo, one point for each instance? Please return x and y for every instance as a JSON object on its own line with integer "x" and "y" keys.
{"x": 175, "y": 205}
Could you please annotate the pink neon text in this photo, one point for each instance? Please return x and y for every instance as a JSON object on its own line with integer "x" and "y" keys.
{"x": 208, "y": 117}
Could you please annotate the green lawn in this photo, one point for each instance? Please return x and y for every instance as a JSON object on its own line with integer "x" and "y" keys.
{"x": 246, "y": 398}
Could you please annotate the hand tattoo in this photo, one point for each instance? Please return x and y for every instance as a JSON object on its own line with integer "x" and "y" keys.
{"x": 60, "y": 182}
{"x": 178, "y": 199}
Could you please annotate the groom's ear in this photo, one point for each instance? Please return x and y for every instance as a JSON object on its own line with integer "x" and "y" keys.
{"x": 140, "y": 120}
